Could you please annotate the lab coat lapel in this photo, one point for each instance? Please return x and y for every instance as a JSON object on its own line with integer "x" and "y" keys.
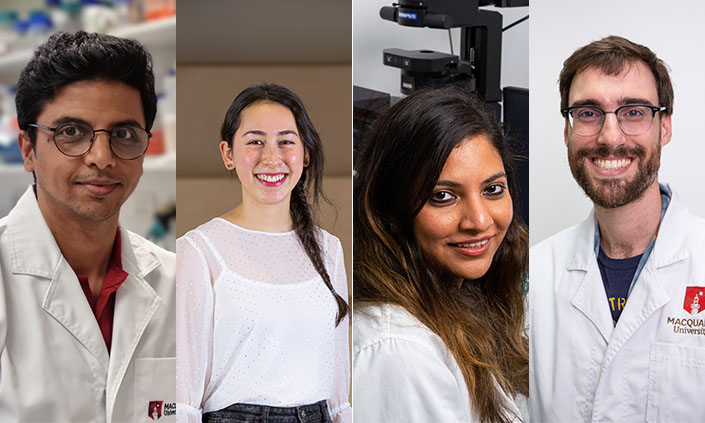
{"x": 135, "y": 305}
{"x": 34, "y": 252}
{"x": 650, "y": 292}
{"x": 590, "y": 297}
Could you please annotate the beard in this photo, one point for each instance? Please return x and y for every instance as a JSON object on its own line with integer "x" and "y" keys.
{"x": 615, "y": 192}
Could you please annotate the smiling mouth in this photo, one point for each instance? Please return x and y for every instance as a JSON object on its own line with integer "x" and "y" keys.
{"x": 474, "y": 244}
{"x": 271, "y": 179}
{"x": 611, "y": 164}
{"x": 472, "y": 249}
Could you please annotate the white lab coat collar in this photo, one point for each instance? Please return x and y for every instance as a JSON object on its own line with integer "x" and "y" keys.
{"x": 34, "y": 251}
{"x": 649, "y": 293}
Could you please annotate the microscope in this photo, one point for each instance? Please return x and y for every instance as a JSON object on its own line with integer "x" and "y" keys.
{"x": 477, "y": 69}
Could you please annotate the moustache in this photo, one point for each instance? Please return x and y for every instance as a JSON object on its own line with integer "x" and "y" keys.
{"x": 604, "y": 151}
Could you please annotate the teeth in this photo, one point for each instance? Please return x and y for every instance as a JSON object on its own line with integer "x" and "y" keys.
{"x": 611, "y": 164}
{"x": 269, "y": 178}
{"x": 474, "y": 244}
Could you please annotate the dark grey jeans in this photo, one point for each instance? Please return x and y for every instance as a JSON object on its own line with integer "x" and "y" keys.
{"x": 252, "y": 413}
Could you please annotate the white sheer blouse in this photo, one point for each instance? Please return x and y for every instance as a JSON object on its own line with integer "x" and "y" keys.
{"x": 256, "y": 324}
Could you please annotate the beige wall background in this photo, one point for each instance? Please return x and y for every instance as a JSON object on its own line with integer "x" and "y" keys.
{"x": 205, "y": 189}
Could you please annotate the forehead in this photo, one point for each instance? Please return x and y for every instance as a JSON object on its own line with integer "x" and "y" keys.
{"x": 472, "y": 160}
{"x": 634, "y": 81}
{"x": 98, "y": 102}
{"x": 266, "y": 114}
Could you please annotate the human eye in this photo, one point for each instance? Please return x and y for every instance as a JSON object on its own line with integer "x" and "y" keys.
{"x": 287, "y": 142}
{"x": 254, "y": 142}
{"x": 633, "y": 112}
{"x": 587, "y": 114}
{"x": 124, "y": 133}
{"x": 72, "y": 132}
{"x": 495, "y": 190}
{"x": 442, "y": 197}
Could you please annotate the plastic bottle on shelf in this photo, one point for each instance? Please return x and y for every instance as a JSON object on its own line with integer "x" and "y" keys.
{"x": 8, "y": 36}
{"x": 72, "y": 8}
{"x": 21, "y": 40}
{"x": 97, "y": 16}
{"x": 9, "y": 150}
{"x": 39, "y": 27}
{"x": 156, "y": 143}
{"x": 159, "y": 9}
{"x": 60, "y": 19}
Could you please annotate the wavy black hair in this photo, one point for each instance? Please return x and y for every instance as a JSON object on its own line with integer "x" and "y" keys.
{"x": 67, "y": 58}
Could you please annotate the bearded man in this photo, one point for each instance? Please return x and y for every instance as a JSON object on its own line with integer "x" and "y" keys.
{"x": 615, "y": 329}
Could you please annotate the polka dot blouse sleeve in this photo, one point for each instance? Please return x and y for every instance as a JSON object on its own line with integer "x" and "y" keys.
{"x": 194, "y": 329}
{"x": 339, "y": 404}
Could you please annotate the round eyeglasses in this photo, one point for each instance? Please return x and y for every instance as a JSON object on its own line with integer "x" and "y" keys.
{"x": 74, "y": 139}
{"x": 633, "y": 119}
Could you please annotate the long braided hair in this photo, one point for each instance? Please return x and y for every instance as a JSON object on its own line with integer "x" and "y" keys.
{"x": 311, "y": 178}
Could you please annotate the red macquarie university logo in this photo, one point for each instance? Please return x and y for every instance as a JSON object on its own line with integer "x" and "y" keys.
{"x": 694, "y": 301}
{"x": 154, "y": 411}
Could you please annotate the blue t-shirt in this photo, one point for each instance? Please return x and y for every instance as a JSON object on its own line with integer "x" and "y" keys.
{"x": 617, "y": 276}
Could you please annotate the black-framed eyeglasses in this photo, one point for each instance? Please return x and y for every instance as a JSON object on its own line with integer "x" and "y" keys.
{"x": 74, "y": 139}
{"x": 633, "y": 119}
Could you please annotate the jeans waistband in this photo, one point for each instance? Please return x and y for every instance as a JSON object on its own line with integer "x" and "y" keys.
{"x": 255, "y": 413}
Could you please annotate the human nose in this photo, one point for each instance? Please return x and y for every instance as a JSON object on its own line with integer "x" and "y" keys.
{"x": 271, "y": 155}
{"x": 476, "y": 216}
{"x": 100, "y": 154}
{"x": 611, "y": 132}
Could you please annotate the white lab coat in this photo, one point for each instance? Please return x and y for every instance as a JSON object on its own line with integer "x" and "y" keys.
{"x": 582, "y": 368}
{"x": 54, "y": 364}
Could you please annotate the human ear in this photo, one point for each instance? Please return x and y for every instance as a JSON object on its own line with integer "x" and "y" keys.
{"x": 227, "y": 153}
{"x": 28, "y": 153}
{"x": 307, "y": 157}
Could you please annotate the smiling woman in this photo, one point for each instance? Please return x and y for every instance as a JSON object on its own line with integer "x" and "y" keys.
{"x": 440, "y": 265}
{"x": 261, "y": 303}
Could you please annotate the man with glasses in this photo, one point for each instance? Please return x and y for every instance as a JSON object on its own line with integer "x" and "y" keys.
{"x": 616, "y": 332}
{"x": 86, "y": 307}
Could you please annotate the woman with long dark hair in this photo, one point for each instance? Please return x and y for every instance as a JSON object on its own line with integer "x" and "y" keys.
{"x": 261, "y": 304}
{"x": 440, "y": 267}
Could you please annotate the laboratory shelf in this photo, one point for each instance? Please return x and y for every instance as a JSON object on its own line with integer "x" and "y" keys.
{"x": 153, "y": 35}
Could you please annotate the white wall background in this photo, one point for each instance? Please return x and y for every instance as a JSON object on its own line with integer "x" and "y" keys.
{"x": 372, "y": 34}
{"x": 675, "y": 34}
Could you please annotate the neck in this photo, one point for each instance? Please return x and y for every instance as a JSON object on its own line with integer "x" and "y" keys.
{"x": 85, "y": 244}
{"x": 626, "y": 231}
{"x": 259, "y": 217}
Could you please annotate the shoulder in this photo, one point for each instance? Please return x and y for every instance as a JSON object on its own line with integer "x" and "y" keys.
{"x": 330, "y": 243}
{"x": 407, "y": 373}
{"x": 381, "y": 327}
{"x": 562, "y": 242}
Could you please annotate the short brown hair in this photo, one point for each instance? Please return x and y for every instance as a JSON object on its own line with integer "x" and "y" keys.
{"x": 610, "y": 55}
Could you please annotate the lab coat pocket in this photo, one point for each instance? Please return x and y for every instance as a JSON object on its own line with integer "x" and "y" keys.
{"x": 676, "y": 380}
{"x": 155, "y": 390}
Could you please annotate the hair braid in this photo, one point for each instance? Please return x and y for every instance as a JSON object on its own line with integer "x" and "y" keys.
{"x": 307, "y": 234}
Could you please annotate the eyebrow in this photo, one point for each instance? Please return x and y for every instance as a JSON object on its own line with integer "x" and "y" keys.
{"x": 622, "y": 102}
{"x": 452, "y": 184}
{"x": 71, "y": 119}
{"x": 262, "y": 133}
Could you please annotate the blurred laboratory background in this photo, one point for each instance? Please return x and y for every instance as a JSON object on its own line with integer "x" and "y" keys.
{"x": 482, "y": 45}
{"x": 303, "y": 45}
{"x": 25, "y": 24}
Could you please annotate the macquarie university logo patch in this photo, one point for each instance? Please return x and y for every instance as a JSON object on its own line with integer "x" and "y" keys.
{"x": 694, "y": 301}
{"x": 155, "y": 410}
{"x": 693, "y": 323}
